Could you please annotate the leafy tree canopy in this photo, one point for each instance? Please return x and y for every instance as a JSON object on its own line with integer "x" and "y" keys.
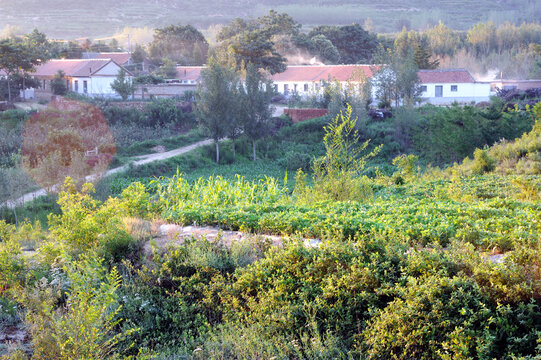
{"x": 182, "y": 44}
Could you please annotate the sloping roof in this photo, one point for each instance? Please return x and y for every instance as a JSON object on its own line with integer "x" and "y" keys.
{"x": 120, "y": 58}
{"x": 190, "y": 73}
{"x": 445, "y": 76}
{"x": 73, "y": 67}
{"x": 322, "y": 72}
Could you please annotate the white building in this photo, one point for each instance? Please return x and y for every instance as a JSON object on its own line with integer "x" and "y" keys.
{"x": 442, "y": 87}
{"x": 92, "y": 77}
{"x": 438, "y": 86}
{"x": 309, "y": 79}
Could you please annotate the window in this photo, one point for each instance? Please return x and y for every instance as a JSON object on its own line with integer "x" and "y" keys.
{"x": 286, "y": 88}
{"x": 423, "y": 88}
{"x": 76, "y": 85}
{"x": 305, "y": 87}
{"x": 85, "y": 86}
{"x": 295, "y": 88}
{"x": 439, "y": 90}
{"x": 454, "y": 87}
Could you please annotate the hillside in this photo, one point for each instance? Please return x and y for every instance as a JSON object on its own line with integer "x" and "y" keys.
{"x": 102, "y": 18}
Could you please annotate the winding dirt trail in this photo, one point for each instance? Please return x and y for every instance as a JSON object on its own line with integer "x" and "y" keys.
{"x": 140, "y": 160}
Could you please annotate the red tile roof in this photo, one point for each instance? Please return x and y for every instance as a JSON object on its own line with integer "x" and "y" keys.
{"x": 445, "y": 76}
{"x": 71, "y": 67}
{"x": 192, "y": 73}
{"x": 120, "y": 58}
{"x": 322, "y": 72}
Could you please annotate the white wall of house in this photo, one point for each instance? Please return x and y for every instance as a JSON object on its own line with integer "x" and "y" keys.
{"x": 302, "y": 88}
{"x": 459, "y": 92}
{"x": 96, "y": 85}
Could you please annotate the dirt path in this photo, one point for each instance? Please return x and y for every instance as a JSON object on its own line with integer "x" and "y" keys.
{"x": 140, "y": 160}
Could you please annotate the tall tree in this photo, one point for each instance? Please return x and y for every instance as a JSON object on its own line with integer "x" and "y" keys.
{"x": 177, "y": 43}
{"x": 254, "y": 42}
{"x": 255, "y": 110}
{"x": 442, "y": 40}
{"x": 423, "y": 59}
{"x": 354, "y": 44}
{"x": 397, "y": 80}
{"x": 216, "y": 106}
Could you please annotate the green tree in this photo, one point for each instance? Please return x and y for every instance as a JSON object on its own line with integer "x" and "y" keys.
{"x": 255, "y": 110}
{"x": 442, "y": 40}
{"x": 177, "y": 43}
{"x": 217, "y": 101}
{"x": 422, "y": 59}
{"x": 481, "y": 38}
{"x": 138, "y": 57}
{"x": 254, "y": 42}
{"x": 398, "y": 80}
{"x": 58, "y": 84}
{"x": 325, "y": 49}
{"x": 11, "y": 58}
{"x": 123, "y": 85}
{"x": 354, "y": 44}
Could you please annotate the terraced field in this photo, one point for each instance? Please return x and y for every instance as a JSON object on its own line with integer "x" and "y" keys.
{"x": 102, "y": 18}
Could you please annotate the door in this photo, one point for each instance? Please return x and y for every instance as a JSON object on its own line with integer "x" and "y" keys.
{"x": 439, "y": 90}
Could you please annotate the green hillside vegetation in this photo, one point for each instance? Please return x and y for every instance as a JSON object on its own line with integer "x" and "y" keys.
{"x": 423, "y": 263}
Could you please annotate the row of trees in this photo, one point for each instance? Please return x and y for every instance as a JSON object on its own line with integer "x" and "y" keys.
{"x": 228, "y": 107}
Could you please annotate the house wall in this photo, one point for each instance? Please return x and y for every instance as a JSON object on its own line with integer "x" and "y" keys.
{"x": 111, "y": 69}
{"x": 313, "y": 87}
{"x": 466, "y": 92}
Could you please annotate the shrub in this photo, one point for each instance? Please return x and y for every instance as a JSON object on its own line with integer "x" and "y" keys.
{"x": 162, "y": 112}
{"x": 84, "y": 327}
{"x": 435, "y": 318}
{"x": 482, "y": 162}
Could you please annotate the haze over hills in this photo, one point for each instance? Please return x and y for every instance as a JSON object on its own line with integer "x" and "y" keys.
{"x": 81, "y": 18}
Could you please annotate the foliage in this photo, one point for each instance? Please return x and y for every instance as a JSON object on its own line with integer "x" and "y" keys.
{"x": 87, "y": 225}
{"x": 58, "y": 84}
{"x": 122, "y": 85}
{"x": 354, "y": 44}
{"x": 255, "y": 109}
{"x": 337, "y": 173}
{"x": 162, "y": 112}
{"x": 84, "y": 326}
{"x": 216, "y": 106}
{"x": 182, "y": 44}
{"x": 252, "y": 42}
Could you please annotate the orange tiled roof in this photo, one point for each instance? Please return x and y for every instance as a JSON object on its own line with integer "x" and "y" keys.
{"x": 71, "y": 67}
{"x": 445, "y": 76}
{"x": 120, "y": 58}
{"x": 322, "y": 72}
{"x": 192, "y": 73}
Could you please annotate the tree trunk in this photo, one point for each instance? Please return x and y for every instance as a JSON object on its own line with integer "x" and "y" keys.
{"x": 234, "y": 150}
{"x": 9, "y": 90}
{"x": 217, "y": 151}
{"x": 253, "y": 149}
{"x": 24, "y": 88}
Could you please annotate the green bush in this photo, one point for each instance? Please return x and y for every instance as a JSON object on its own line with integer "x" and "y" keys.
{"x": 161, "y": 112}
{"x": 434, "y": 318}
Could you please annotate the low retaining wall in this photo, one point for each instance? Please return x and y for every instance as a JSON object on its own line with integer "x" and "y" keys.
{"x": 297, "y": 115}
